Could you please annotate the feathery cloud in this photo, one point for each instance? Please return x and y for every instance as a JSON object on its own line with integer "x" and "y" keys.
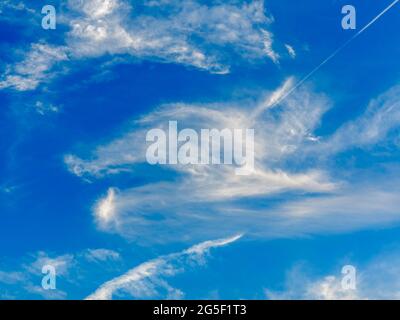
{"x": 143, "y": 211}
{"x": 380, "y": 118}
{"x": 167, "y": 31}
{"x": 291, "y": 51}
{"x": 207, "y": 37}
{"x": 35, "y": 68}
{"x": 147, "y": 279}
{"x": 99, "y": 255}
{"x": 212, "y": 200}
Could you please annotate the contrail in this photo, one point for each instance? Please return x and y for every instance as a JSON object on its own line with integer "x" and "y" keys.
{"x": 336, "y": 52}
{"x": 376, "y": 18}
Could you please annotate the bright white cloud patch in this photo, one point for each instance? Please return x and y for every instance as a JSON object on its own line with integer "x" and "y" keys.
{"x": 105, "y": 211}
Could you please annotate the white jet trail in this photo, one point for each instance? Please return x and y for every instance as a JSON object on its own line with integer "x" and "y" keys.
{"x": 336, "y": 52}
{"x": 376, "y": 18}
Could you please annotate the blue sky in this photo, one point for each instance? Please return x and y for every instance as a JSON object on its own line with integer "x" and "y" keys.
{"x": 76, "y": 191}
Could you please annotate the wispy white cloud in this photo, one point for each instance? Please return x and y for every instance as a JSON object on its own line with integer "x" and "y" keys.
{"x": 291, "y": 51}
{"x": 209, "y": 37}
{"x": 61, "y": 263}
{"x": 11, "y": 277}
{"x": 27, "y": 279}
{"x": 279, "y": 133}
{"x": 43, "y": 108}
{"x": 167, "y": 31}
{"x": 215, "y": 197}
{"x": 99, "y": 255}
{"x": 377, "y": 279}
{"x": 373, "y": 126}
{"x": 142, "y": 211}
{"x": 72, "y": 270}
{"x": 300, "y": 286}
{"x": 147, "y": 279}
{"x": 46, "y": 294}
{"x": 354, "y": 206}
{"x": 34, "y": 68}
{"x": 13, "y": 5}
{"x": 330, "y": 288}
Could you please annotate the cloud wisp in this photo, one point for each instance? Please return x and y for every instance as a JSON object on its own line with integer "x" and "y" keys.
{"x": 206, "y": 37}
{"x": 37, "y": 66}
{"x": 147, "y": 280}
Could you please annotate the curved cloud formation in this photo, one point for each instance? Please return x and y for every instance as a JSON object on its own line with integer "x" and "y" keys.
{"x": 211, "y": 201}
{"x": 208, "y": 37}
{"x": 146, "y": 280}
{"x": 197, "y": 199}
{"x": 186, "y": 32}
